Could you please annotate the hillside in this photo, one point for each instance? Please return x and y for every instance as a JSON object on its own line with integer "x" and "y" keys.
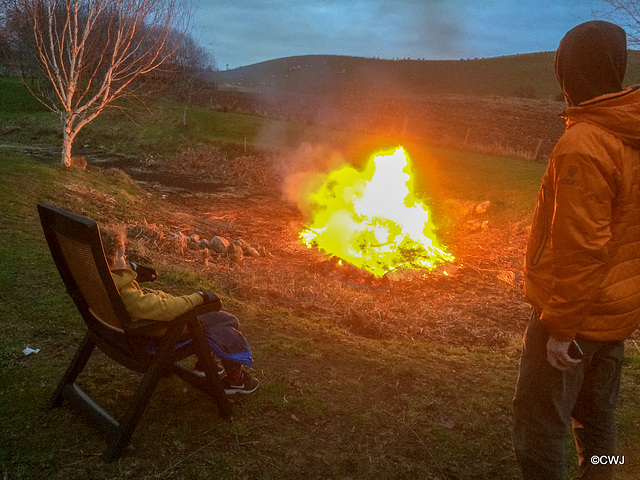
{"x": 341, "y": 75}
{"x": 527, "y": 75}
{"x": 502, "y": 105}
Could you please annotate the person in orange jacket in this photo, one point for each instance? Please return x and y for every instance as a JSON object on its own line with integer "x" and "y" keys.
{"x": 582, "y": 264}
{"x": 220, "y": 328}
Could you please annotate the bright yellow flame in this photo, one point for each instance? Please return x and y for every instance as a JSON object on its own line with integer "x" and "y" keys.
{"x": 373, "y": 220}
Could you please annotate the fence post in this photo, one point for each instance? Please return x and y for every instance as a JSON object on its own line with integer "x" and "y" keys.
{"x": 535, "y": 155}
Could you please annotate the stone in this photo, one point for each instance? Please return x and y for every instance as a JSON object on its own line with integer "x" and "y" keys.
{"x": 482, "y": 207}
{"x": 241, "y": 243}
{"x": 219, "y": 244}
{"x": 235, "y": 252}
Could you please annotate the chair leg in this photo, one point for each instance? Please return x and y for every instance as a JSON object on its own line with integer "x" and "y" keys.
{"x": 215, "y": 384}
{"x": 163, "y": 362}
{"x": 135, "y": 410}
{"x": 78, "y": 363}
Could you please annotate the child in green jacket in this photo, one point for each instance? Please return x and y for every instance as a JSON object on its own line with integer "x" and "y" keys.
{"x": 220, "y": 328}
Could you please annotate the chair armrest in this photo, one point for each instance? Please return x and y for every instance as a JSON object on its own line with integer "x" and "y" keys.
{"x": 146, "y": 327}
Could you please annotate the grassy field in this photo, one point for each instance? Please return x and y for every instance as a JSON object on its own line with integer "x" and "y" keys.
{"x": 334, "y": 402}
{"x": 528, "y": 74}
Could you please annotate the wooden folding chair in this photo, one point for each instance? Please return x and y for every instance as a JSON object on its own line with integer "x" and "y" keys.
{"x": 76, "y": 247}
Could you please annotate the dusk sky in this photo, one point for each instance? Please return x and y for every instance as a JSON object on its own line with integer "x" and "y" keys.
{"x": 243, "y": 32}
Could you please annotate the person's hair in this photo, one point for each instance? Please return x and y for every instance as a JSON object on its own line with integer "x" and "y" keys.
{"x": 113, "y": 238}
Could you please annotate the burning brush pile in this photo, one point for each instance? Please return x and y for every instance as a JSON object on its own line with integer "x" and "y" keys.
{"x": 373, "y": 220}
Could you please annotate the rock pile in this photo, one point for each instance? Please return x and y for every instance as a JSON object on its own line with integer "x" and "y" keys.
{"x": 235, "y": 249}
{"x": 216, "y": 246}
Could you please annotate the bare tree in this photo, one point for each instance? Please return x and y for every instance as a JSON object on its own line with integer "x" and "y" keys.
{"x": 190, "y": 66}
{"x": 4, "y": 31}
{"x": 626, "y": 13}
{"x": 93, "y": 52}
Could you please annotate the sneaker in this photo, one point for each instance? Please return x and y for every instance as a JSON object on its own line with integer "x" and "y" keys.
{"x": 245, "y": 384}
{"x": 198, "y": 369}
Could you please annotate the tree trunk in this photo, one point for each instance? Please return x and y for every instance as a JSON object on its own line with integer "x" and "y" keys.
{"x": 67, "y": 140}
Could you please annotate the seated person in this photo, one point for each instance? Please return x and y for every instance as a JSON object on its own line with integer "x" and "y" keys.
{"x": 220, "y": 328}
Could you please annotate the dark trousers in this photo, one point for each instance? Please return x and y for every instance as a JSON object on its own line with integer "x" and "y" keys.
{"x": 548, "y": 401}
{"x": 212, "y": 320}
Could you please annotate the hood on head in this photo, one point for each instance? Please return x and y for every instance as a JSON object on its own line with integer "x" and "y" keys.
{"x": 591, "y": 60}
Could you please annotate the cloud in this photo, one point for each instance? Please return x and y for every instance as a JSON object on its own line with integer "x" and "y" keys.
{"x": 242, "y": 32}
{"x": 533, "y": 26}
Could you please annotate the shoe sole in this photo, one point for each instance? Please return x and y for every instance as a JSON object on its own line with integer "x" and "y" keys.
{"x": 201, "y": 374}
{"x": 233, "y": 391}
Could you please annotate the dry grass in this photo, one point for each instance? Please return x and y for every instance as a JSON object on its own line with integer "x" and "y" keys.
{"x": 251, "y": 171}
{"x": 475, "y": 301}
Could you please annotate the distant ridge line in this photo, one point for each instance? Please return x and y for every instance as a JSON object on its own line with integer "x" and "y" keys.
{"x": 527, "y": 75}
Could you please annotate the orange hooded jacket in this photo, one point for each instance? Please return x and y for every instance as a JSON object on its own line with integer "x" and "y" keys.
{"x": 582, "y": 265}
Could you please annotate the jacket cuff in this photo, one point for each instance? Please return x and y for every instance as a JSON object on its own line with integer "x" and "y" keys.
{"x": 560, "y": 334}
{"x": 197, "y": 299}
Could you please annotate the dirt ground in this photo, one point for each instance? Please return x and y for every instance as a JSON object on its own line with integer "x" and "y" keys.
{"x": 518, "y": 124}
{"x": 477, "y": 302}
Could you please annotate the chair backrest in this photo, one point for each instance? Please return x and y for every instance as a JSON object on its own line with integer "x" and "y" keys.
{"x": 76, "y": 248}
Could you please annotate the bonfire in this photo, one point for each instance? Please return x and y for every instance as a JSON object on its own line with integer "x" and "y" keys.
{"x": 372, "y": 219}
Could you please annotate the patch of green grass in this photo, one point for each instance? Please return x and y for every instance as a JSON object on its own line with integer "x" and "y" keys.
{"x": 159, "y": 131}
{"x": 628, "y": 417}
{"x": 155, "y": 128}
{"x": 510, "y": 184}
{"x": 290, "y": 346}
{"x": 15, "y": 98}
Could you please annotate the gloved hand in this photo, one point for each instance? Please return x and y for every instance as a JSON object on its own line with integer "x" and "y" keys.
{"x": 145, "y": 274}
{"x": 212, "y": 299}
